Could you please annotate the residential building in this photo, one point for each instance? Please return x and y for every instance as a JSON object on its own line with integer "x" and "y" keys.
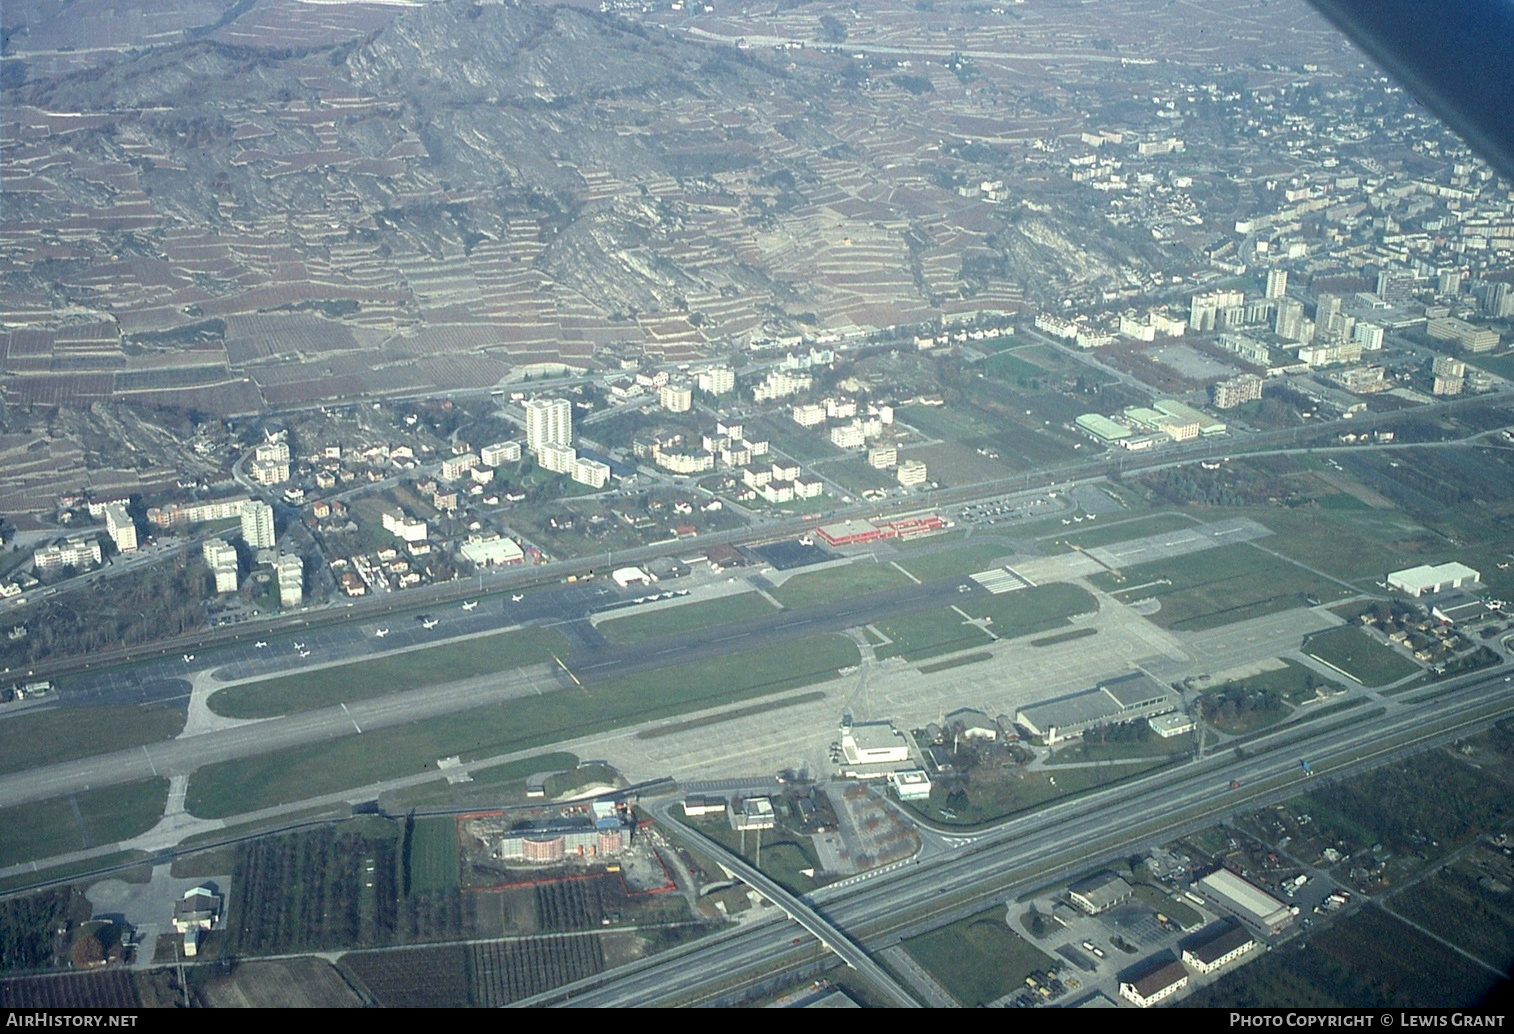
{"x": 290, "y": 572}
{"x": 257, "y": 525}
{"x": 717, "y": 380}
{"x": 270, "y": 463}
{"x": 195, "y": 513}
{"x": 79, "y": 551}
{"x": 1449, "y": 375}
{"x": 1277, "y": 283}
{"x": 455, "y": 467}
{"x": 500, "y": 454}
{"x": 911, "y": 473}
{"x": 400, "y": 525}
{"x": 221, "y": 557}
{"x": 121, "y": 528}
{"x": 1237, "y": 391}
{"x": 590, "y": 472}
{"x": 881, "y": 457}
{"x": 809, "y": 415}
{"x": 557, "y": 458}
{"x": 676, "y": 397}
{"x": 548, "y": 422}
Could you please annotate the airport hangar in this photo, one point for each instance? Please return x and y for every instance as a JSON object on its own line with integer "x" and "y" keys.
{"x": 1111, "y": 702}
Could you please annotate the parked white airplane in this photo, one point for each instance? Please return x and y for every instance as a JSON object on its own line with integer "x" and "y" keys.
{"x": 470, "y": 604}
{"x": 260, "y": 644}
{"x": 381, "y": 632}
{"x": 188, "y": 657}
{"x": 516, "y": 598}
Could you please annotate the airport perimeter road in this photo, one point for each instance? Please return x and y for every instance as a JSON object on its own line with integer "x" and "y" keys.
{"x": 1059, "y": 839}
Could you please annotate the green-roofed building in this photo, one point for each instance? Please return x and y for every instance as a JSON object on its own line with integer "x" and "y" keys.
{"x": 1101, "y": 427}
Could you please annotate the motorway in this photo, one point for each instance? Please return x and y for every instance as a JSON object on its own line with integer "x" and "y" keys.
{"x": 1056, "y": 840}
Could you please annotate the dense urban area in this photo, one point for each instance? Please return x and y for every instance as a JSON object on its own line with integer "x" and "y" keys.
{"x": 944, "y": 504}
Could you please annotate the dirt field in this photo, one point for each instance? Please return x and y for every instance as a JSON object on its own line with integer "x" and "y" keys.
{"x": 283, "y": 984}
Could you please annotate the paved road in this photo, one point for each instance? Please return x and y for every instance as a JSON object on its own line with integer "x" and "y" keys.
{"x": 1070, "y": 833}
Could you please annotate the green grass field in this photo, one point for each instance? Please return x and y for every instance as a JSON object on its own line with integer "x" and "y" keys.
{"x": 512, "y": 771}
{"x": 1352, "y": 651}
{"x": 1293, "y": 682}
{"x": 853, "y": 474}
{"x": 1030, "y": 611}
{"x": 433, "y": 856}
{"x": 784, "y": 853}
{"x": 297, "y": 773}
{"x": 65, "y": 734}
{"x": 988, "y": 800}
{"x": 1216, "y": 587}
{"x": 948, "y": 423}
{"x": 858, "y": 578}
{"x": 1357, "y": 546}
{"x": 363, "y": 680}
{"x": 688, "y": 617}
{"x": 957, "y": 562}
{"x": 917, "y": 637}
{"x": 1077, "y": 751}
{"x": 1007, "y": 366}
{"x": 80, "y": 868}
{"x": 43, "y": 829}
{"x": 978, "y": 959}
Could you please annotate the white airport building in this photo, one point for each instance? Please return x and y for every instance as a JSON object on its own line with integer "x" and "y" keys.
{"x": 1428, "y": 579}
